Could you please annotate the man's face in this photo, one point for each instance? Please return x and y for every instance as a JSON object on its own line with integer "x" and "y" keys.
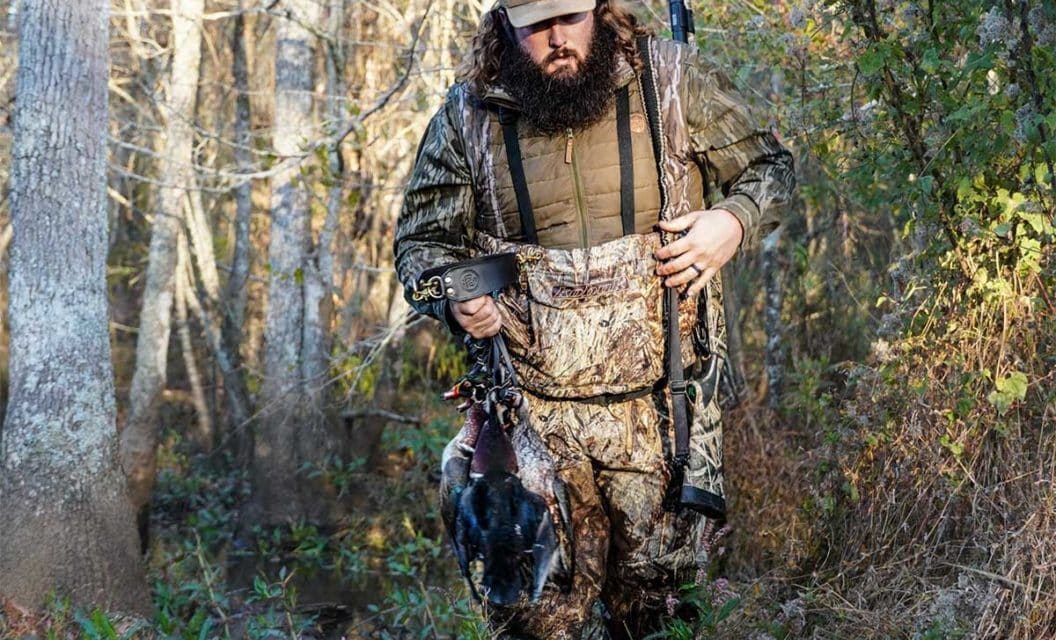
{"x": 559, "y": 46}
{"x": 562, "y": 72}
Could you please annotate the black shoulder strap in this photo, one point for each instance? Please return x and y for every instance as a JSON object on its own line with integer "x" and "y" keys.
{"x": 676, "y": 375}
{"x": 508, "y": 120}
{"x": 623, "y": 139}
{"x": 652, "y": 107}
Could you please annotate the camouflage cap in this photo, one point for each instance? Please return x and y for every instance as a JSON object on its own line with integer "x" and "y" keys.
{"x": 525, "y": 12}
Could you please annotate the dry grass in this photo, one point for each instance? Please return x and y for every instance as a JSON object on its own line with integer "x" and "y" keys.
{"x": 912, "y": 509}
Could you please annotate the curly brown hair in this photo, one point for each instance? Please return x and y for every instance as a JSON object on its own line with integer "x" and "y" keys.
{"x": 480, "y": 67}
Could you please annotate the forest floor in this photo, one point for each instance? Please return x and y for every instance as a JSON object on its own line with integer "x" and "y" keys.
{"x": 387, "y": 570}
{"x": 384, "y": 571}
{"x": 813, "y": 551}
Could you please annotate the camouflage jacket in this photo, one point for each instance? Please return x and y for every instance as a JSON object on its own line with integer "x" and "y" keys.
{"x": 460, "y": 186}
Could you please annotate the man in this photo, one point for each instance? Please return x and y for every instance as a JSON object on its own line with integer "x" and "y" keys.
{"x": 570, "y": 140}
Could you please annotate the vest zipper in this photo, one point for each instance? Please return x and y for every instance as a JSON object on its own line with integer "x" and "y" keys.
{"x": 581, "y": 209}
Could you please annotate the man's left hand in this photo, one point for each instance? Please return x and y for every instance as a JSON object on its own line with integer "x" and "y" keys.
{"x": 712, "y": 237}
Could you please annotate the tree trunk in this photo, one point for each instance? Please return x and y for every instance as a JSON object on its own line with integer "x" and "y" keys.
{"x": 775, "y": 297}
{"x": 67, "y": 523}
{"x": 201, "y": 235}
{"x": 202, "y": 436}
{"x": 293, "y": 435}
{"x": 236, "y": 295}
{"x": 139, "y": 439}
{"x": 206, "y": 282}
{"x": 319, "y": 282}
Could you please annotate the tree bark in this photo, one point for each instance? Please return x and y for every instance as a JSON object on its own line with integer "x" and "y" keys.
{"x": 320, "y": 285}
{"x": 67, "y": 524}
{"x": 236, "y": 296}
{"x": 293, "y": 434}
{"x": 139, "y": 439}
{"x": 774, "y": 300}
{"x": 201, "y": 235}
{"x": 202, "y": 436}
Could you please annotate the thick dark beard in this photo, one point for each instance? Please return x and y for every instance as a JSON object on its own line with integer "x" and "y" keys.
{"x": 552, "y": 105}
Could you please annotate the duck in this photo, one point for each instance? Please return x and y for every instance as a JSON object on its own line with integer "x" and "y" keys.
{"x": 492, "y": 517}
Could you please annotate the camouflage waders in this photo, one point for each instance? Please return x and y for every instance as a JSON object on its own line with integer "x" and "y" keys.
{"x": 630, "y": 552}
{"x": 607, "y": 431}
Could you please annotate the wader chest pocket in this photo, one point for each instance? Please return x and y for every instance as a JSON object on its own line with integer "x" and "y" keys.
{"x": 589, "y": 329}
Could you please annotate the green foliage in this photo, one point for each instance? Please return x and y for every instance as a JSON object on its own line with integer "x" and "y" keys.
{"x": 275, "y": 605}
{"x": 1010, "y": 389}
{"x": 925, "y": 140}
{"x": 398, "y": 561}
{"x": 59, "y": 620}
{"x": 423, "y": 444}
{"x": 423, "y": 612}
{"x": 97, "y": 626}
{"x": 190, "y": 597}
{"x": 702, "y": 609}
{"x": 356, "y": 376}
{"x": 809, "y": 395}
{"x": 337, "y": 473}
{"x": 941, "y": 630}
{"x": 444, "y": 364}
{"x": 196, "y": 496}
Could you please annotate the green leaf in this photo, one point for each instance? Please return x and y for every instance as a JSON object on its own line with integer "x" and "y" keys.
{"x": 727, "y": 609}
{"x": 1000, "y": 401}
{"x": 260, "y": 587}
{"x": 1007, "y": 118}
{"x": 1010, "y": 389}
{"x": 871, "y": 61}
{"x": 927, "y": 183}
{"x": 980, "y": 277}
{"x": 1015, "y": 384}
{"x": 206, "y": 628}
{"x": 87, "y": 626}
{"x": 1042, "y": 175}
{"x": 1035, "y": 220}
{"x": 966, "y": 113}
{"x": 976, "y": 61}
{"x": 103, "y": 624}
{"x": 930, "y": 62}
{"x": 956, "y": 448}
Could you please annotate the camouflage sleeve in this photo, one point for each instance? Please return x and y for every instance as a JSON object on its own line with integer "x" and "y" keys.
{"x": 754, "y": 170}
{"x": 437, "y": 207}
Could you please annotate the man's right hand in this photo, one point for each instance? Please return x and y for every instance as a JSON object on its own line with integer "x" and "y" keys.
{"x": 479, "y": 316}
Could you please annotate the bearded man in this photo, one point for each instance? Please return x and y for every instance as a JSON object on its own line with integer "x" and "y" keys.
{"x": 617, "y": 167}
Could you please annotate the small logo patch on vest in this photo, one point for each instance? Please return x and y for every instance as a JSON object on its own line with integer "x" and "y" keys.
{"x": 638, "y": 124}
{"x": 588, "y": 290}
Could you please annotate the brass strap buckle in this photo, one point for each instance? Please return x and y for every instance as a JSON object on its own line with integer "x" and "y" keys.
{"x": 431, "y": 289}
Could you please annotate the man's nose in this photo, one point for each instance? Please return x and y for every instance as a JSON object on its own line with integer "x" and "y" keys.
{"x": 558, "y": 37}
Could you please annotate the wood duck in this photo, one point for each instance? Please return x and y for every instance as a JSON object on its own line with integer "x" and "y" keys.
{"x": 493, "y": 518}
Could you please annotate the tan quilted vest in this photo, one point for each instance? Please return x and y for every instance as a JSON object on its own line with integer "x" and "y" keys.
{"x": 574, "y": 180}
